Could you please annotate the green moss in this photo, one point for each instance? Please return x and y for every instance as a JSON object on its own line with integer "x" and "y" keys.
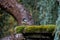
{"x": 41, "y": 28}
{"x": 35, "y": 28}
{"x": 19, "y": 29}
{"x": 51, "y": 28}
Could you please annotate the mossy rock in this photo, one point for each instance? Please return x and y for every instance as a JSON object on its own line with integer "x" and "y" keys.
{"x": 35, "y": 28}
{"x": 19, "y": 29}
{"x": 41, "y": 28}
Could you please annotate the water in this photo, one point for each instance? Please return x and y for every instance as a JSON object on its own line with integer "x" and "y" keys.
{"x": 58, "y": 25}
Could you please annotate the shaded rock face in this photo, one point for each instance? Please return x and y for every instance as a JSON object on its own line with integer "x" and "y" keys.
{"x": 17, "y": 10}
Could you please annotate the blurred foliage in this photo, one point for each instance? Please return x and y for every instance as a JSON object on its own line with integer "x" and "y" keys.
{"x": 35, "y": 28}
{"x": 48, "y": 11}
{"x": 7, "y": 22}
